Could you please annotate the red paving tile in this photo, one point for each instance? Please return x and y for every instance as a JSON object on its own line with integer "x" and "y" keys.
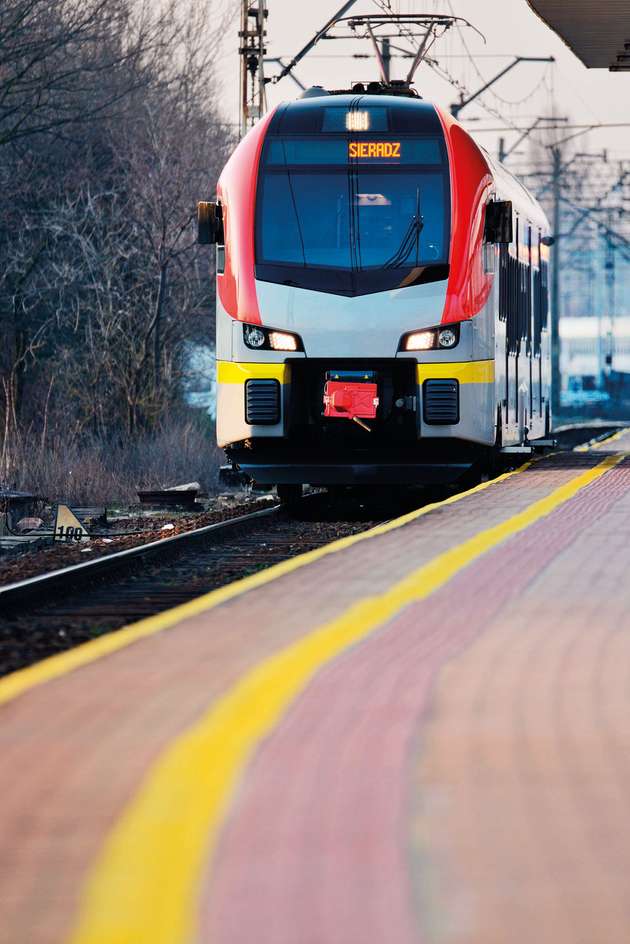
{"x": 337, "y": 833}
{"x": 333, "y": 864}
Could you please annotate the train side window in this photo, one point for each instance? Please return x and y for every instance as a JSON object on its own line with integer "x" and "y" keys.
{"x": 515, "y": 289}
{"x": 513, "y": 305}
{"x": 537, "y": 303}
{"x": 504, "y": 260}
{"x": 528, "y": 292}
{"x": 544, "y": 292}
{"x": 514, "y": 298}
{"x": 519, "y": 315}
{"x": 536, "y": 307}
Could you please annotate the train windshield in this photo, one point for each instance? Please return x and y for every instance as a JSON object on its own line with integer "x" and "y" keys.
{"x": 353, "y": 216}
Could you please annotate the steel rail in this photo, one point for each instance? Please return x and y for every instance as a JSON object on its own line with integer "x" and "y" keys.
{"x": 55, "y": 580}
{"x": 33, "y": 588}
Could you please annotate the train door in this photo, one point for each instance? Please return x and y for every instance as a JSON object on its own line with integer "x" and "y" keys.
{"x": 516, "y": 296}
{"x": 513, "y": 340}
{"x": 529, "y": 328}
{"x": 502, "y": 336}
{"x": 545, "y": 354}
{"x": 523, "y": 309}
{"x": 537, "y": 318}
{"x": 523, "y": 333}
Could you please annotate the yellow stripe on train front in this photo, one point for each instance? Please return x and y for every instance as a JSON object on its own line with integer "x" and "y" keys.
{"x": 229, "y": 372}
{"x": 466, "y": 372}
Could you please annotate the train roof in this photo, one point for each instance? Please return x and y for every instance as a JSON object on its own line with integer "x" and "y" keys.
{"x": 387, "y": 113}
{"x": 511, "y": 188}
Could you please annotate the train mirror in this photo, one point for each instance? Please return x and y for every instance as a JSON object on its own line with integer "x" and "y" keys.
{"x": 499, "y": 222}
{"x": 209, "y": 223}
{"x": 548, "y": 240}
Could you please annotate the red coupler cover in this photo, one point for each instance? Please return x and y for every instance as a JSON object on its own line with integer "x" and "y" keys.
{"x": 350, "y": 399}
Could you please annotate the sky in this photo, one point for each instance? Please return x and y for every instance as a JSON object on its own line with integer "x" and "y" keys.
{"x": 510, "y": 28}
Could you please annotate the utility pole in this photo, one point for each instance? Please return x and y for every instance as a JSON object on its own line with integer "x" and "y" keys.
{"x": 616, "y": 245}
{"x": 610, "y": 286}
{"x": 386, "y": 56}
{"x": 288, "y": 67}
{"x": 555, "y": 284}
{"x": 252, "y": 53}
{"x": 504, "y": 154}
{"x": 557, "y": 170}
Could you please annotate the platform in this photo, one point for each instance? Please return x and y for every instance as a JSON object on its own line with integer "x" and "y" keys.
{"x": 418, "y": 734}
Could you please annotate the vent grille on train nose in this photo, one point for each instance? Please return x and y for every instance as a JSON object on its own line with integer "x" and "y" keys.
{"x": 262, "y": 402}
{"x": 440, "y": 400}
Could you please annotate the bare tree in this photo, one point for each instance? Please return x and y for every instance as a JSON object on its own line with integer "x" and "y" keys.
{"x": 111, "y": 131}
{"x": 68, "y": 62}
{"x": 102, "y": 286}
{"x": 171, "y": 152}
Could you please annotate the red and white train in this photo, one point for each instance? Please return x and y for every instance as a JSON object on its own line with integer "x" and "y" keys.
{"x": 382, "y": 311}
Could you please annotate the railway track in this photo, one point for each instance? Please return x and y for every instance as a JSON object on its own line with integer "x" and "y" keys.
{"x": 56, "y": 611}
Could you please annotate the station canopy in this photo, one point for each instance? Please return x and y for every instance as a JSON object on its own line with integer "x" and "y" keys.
{"x": 598, "y": 31}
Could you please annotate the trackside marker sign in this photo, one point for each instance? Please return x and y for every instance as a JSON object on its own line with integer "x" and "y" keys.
{"x": 373, "y": 149}
{"x": 68, "y": 528}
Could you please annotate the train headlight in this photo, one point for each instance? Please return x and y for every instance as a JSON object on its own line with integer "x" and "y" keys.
{"x": 430, "y": 339}
{"x": 254, "y": 337}
{"x": 282, "y": 341}
{"x": 447, "y": 337}
{"x": 268, "y": 339}
{"x": 419, "y": 341}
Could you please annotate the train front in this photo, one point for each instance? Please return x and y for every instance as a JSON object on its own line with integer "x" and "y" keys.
{"x": 348, "y": 282}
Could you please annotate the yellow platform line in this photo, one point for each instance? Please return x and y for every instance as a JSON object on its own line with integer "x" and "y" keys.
{"x": 58, "y": 665}
{"x": 145, "y": 886}
{"x": 603, "y": 443}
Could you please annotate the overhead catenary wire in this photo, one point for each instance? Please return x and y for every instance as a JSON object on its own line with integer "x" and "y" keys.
{"x": 472, "y": 59}
{"x": 444, "y": 72}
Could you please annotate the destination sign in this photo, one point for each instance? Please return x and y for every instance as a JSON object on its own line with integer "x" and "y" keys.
{"x": 373, "y": 149}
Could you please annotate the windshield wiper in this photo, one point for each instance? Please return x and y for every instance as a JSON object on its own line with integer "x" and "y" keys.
{"x": 293, "y": 201}
{"x": 410, "y": 240}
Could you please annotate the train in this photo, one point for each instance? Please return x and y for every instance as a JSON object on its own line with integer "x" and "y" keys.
{"x": 382, "y": 312}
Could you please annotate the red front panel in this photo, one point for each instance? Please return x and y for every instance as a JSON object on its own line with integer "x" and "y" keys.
{"x": 471, "y": 183}
{"x": 237, "y": 192}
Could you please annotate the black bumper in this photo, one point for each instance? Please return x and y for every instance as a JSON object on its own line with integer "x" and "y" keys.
{"x": 362, "y": 474}
{"x": 428, "y": 463}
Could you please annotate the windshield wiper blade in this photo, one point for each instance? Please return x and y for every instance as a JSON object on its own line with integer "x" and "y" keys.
{"x": 294, "y": 202}
{"x": 410, "y": 238}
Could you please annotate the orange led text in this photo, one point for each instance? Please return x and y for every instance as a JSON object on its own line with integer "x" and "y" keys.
{"x": 373, "y": 149}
